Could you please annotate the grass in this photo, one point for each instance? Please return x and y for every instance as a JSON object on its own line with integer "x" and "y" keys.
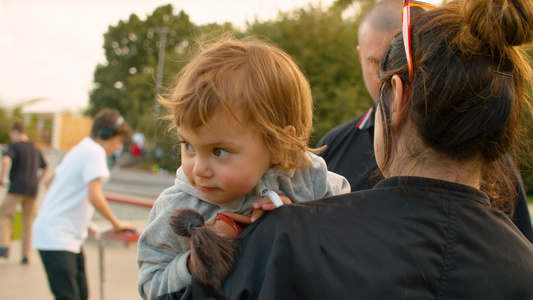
{"x": 17, "y": 226}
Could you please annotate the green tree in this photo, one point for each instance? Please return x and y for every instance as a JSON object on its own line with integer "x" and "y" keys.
{"x": 4, "y": 126}
{"x": 320, "y": 39}
{"x": 323, "y": 43}
{"x": 127, "y": 81}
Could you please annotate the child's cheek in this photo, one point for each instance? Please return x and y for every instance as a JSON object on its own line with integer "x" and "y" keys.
{"x": 187, "y": 167}
{"x": 238, "y": 182}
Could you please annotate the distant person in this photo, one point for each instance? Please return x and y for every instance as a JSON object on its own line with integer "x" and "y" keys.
{"x": 75, "y": 191}
{"x": 24, "y": 178}
{"x": 350, "y": 146}
{"x": 114, "y": 157}
{"x": 137, "y": 147}
{"x": 238, "y": 143}
{"x": 449, "y": 110}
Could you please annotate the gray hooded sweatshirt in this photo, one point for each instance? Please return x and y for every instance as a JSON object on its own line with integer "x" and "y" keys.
{"x": 162, "y": 255}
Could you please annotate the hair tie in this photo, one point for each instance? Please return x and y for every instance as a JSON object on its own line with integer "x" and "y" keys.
{"x": 193, "y": 224}
{"x": 503, "y": 74}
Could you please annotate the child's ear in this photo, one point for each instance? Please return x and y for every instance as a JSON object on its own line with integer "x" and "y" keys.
{"x": 290, "y": 130}
{"x": 276, "y": 157}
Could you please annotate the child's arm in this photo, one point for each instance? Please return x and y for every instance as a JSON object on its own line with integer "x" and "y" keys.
{"x": 265, "y": 204}
{"x": 161, "y": 255}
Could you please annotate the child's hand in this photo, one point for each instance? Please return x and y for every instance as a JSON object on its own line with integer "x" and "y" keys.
{"x": 226, "y": 225}
{"x": 265, "y": 204}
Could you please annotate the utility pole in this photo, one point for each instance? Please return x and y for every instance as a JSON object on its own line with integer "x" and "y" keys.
{"x": 162, "y": 31}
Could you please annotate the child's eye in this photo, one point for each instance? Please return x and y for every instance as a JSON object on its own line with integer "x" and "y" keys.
{"x": 187, "y": 147}
{"x": 221, "y": 153}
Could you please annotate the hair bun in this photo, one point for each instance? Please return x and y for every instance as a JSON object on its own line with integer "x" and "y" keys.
{"x": 500, "y": 23}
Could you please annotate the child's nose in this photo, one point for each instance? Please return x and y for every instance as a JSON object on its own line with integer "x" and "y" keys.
{"x": 201, "y": 168}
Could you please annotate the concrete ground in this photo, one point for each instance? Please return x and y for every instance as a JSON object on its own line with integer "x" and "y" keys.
{"x": 19, "y": 282}
{"x": 29, "y": 281}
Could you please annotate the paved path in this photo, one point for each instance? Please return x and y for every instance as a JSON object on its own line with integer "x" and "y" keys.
{"x": 20, "y": 282}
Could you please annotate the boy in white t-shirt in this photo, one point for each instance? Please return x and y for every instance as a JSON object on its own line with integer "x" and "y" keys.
{"x": 74, "y": 192}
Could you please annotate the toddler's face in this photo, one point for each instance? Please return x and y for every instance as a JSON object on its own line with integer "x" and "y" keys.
{"x": 224, "y": 161}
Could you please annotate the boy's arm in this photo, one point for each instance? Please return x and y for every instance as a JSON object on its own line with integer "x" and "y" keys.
{"x": 44, "y": 175}
{"x": 6, "y": 160}
{"x": 98, "y": 200}
{"x": 47, "y": 178}
{"x": 44, "y": 167}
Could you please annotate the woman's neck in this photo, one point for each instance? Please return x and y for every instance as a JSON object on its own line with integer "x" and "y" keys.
{"x": 466, "y": 173}
{"x": 421, "y": 161}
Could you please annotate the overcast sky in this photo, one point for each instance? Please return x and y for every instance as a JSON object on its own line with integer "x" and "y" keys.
{"x": 50, "y": 48}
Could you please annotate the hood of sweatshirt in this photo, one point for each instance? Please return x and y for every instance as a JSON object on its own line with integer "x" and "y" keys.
{"x": 311, "y": 183}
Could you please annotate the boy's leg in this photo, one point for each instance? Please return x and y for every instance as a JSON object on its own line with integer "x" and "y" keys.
{"x": 62, "y": 268}
{"x": 7, "y": 211}
{"x": 28, "y": 215}
{"x": 82, "y": 277}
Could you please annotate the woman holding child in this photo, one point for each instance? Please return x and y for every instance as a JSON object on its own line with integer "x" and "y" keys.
{"x": 452, "y": 102}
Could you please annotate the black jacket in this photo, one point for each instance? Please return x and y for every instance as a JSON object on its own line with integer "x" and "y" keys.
{"x": 408, "y": 238}
{"x": 350, "y": 153}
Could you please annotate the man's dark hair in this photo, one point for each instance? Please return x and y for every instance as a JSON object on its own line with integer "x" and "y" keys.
{"x": 108, "y": 123}
{"x": 17, "y": 125}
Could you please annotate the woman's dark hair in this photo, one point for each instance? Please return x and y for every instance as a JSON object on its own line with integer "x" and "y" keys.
{"x": 212, "y": 254}
{"x": 469, "y": 92}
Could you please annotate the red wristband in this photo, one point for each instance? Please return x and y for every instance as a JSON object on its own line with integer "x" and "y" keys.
{"x": 230, "y": 222}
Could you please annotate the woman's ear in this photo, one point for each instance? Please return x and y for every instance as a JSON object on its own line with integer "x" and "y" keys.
{"x": 399, "y": 104}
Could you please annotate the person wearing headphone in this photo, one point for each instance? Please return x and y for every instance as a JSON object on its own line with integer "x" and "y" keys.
{"x": 74, "y": 192}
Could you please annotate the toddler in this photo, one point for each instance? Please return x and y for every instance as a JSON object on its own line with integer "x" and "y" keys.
{"x": 242, "y": 111}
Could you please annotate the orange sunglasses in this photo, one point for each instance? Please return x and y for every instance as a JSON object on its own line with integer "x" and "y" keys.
{"x": 406, "y": 30}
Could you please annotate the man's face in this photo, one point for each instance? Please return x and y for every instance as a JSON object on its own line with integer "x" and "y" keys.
{"x": 14, "y": 135}
{"x": 372, "y": 46}
{"x": 112, "y": 144}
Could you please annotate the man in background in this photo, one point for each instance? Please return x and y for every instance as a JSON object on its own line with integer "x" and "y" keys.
{"x": 25, "y": 161}
{"x": 350, "y": 146}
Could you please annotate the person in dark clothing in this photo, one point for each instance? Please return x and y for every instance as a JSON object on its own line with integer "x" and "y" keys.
{"x": 350, "y": 153}
{"x": 448, "y": 112}
{"x": 24, "y": 177}
{"x": 350, "y": 146}
{"x": 409, "y": 238}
